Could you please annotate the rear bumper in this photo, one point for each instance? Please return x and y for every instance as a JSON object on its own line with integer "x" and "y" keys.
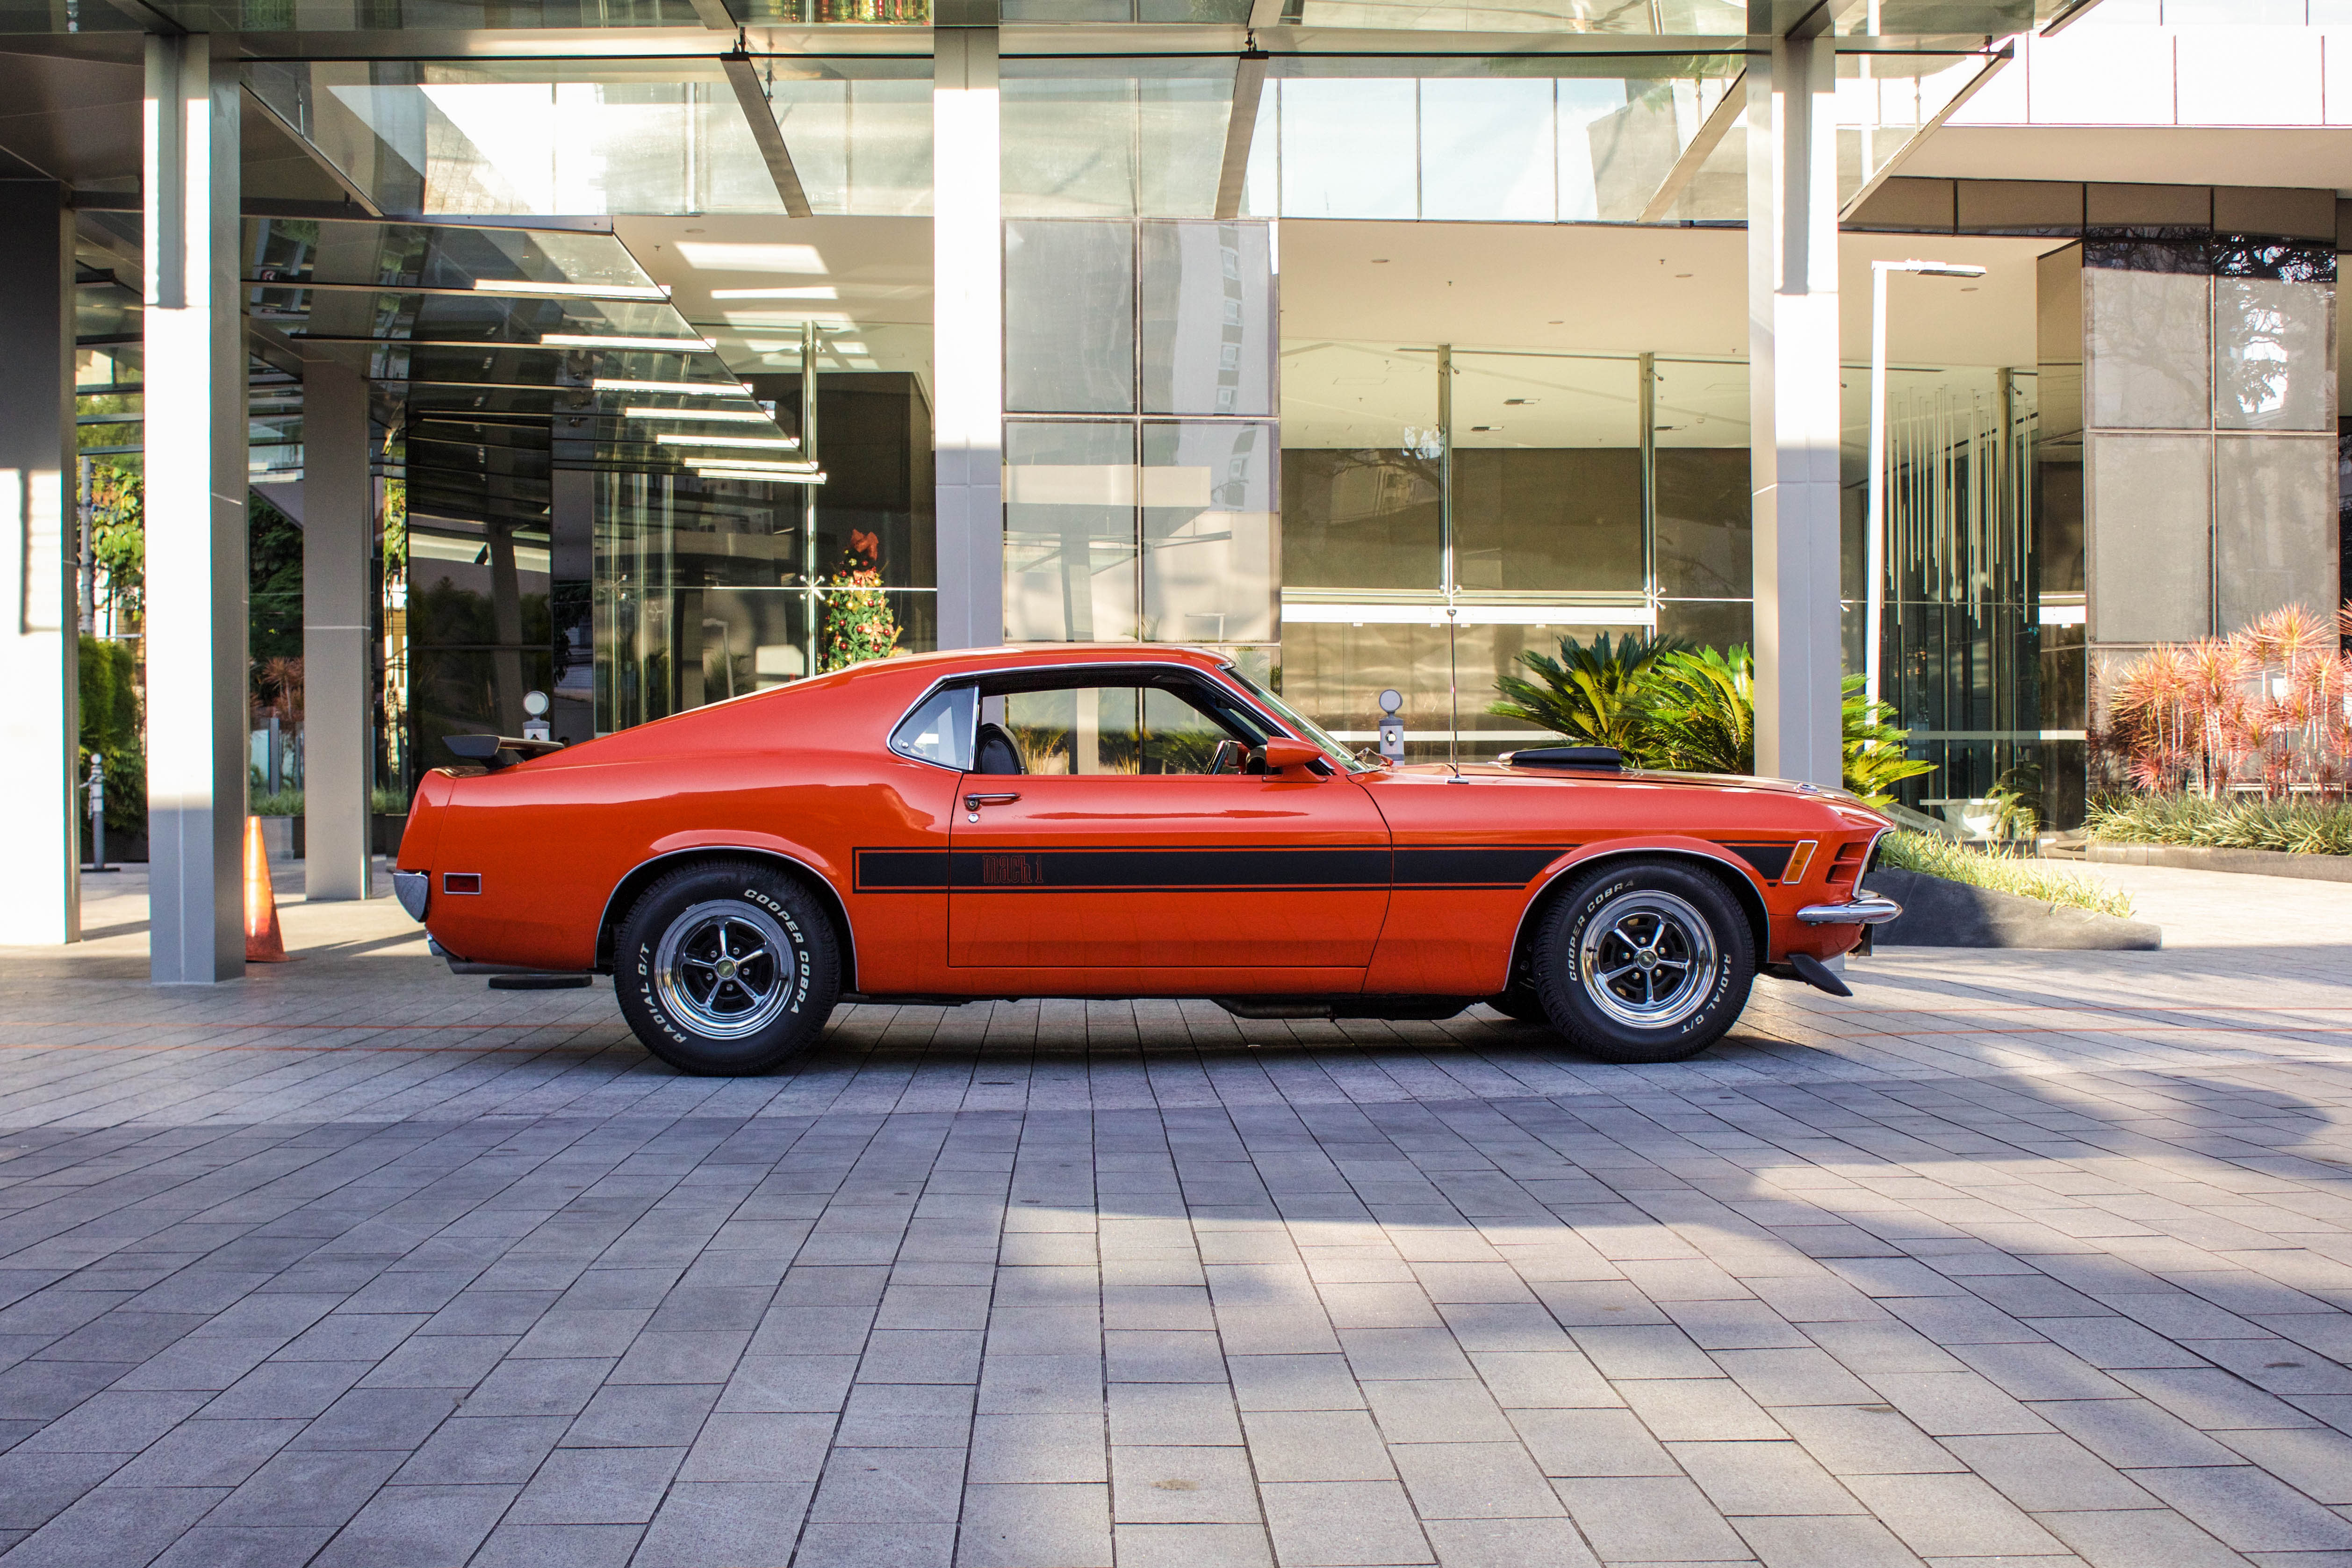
{"x": 414, "y": 890}
{"x": 1863, "y": 908}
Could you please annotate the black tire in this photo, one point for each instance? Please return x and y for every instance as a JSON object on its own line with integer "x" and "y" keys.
{"x": 673, "y": 968}
{"x": 1700, "y": 960}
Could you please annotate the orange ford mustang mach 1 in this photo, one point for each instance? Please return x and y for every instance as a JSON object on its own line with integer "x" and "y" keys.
{"x": 1116, "y": 821}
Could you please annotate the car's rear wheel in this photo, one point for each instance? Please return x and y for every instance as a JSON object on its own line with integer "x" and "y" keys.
{"x": 1645, "y": 961}
{"x": 726, "y": 967}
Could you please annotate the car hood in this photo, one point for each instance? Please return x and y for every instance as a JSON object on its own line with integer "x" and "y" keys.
{"x": 1842, "y": 798}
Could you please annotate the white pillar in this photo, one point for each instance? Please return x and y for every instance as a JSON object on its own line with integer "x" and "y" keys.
{"x": 196, "y": 503}
{"x": 40, "y": 715}
{"x": 338, "y": 576}
{"x": 967, "y": 337}
{"x": 1792, "y": 391}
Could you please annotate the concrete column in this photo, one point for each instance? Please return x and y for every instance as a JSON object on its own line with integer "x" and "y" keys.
{"x": 1792, "y": 391}
{"x": 196, "y": 509}
{"x": 967, "y": 337}
{"x": 338, "y": 582}
{"x": 41, "y": 718}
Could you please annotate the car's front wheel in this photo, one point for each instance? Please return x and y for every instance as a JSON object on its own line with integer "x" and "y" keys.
{"x": 726, "y": 967}
{"x": 1645, "y": 961}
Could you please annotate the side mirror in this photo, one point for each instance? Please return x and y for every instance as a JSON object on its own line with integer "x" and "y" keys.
{"x": 1281, "y": 754}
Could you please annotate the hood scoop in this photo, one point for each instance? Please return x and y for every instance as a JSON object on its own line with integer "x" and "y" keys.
{"x": 496, "y": 751}
{"x": 1596, "y": 759}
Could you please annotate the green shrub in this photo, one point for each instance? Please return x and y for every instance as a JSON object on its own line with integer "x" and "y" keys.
{"x": 2201, "y": 822}
{"x": 110, "y": 730}
{"x": 2036, "y": 879}
{"x": 1666, "y": 704}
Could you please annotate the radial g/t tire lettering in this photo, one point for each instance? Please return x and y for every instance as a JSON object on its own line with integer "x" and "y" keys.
{"x": 727, "y": 968}
{"x": 1645, "y": 961}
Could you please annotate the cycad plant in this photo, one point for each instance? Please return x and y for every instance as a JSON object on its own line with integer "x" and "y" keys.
{"x": 1703, "y": 712}
{"x": 1666, "y": 704}
{"x": 1596, "y": 696}
{"x": 1875, "y": 755}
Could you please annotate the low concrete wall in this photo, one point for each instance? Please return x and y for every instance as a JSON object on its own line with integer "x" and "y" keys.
{"x": 1941, "y": 913}
{"x": 2254, "y": 862}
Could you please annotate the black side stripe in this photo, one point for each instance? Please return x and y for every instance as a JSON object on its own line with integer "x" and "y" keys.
{"x": 1013, "y": 869}
{"x": 1769, "y": 859}
{"x": 1454, "y": 867}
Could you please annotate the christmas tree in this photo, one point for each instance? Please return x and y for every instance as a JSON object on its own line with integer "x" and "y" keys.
{"x": 858, "y": 625}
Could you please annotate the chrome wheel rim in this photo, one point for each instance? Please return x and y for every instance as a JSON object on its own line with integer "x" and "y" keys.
{"x": 724, "y": 969}
{"x": 1648, "y": 959}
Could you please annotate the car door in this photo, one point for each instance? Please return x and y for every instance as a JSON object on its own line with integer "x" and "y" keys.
{"x": 1116, "y": 847}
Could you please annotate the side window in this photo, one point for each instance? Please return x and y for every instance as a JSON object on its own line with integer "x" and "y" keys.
{"x": 1111, "y": 730}
{"x": 941, "y": 730}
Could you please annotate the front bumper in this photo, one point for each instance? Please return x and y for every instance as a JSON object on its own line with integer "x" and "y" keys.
{"x": 414, "y": 889}
{"x": 1863, "y": 908}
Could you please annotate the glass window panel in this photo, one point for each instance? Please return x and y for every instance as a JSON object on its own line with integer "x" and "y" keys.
{"x": 1181, "y": 113}
{"x": 1070, "y": 317}
{"x": 1208, "y": 317}
{"x": 941, "y": 730}
{"x": 1548, "y": 520}
{"x": 1336, "y": 672}
{"x": 1068, "y": 140}
{"x": 2276, "y": 529}
{"x": 1361, "y": 453}
{"x": 2157, "y": 490}
{"x": 2271, "y": 366}
{"x": 1208, "y": 533}
{"x": 1350, "y": 149}
{"x": 1719, "y": 624}
{"x": 1581, "y": 101}
{"x": 1704, "y": 500}
{"x": 1092, "y": 727}
{"x": 1487, "y": 150}
{"x": 860, "y": 146}
{"x": 2150, "y": 366}
{"x": 1069, "y": 532}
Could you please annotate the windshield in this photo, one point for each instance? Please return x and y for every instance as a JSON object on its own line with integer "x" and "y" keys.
{"x": 1307, "y": 729}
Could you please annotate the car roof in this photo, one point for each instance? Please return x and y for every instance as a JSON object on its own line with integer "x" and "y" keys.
{"x": 968, "y": 660}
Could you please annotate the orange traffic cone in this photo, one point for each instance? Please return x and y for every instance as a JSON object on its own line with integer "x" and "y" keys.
{"x": 263, "y": 944}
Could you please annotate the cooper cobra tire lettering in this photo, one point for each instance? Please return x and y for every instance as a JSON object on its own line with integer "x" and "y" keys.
{"x": 684, "y": 901}
{"x": 1717, "y": 932}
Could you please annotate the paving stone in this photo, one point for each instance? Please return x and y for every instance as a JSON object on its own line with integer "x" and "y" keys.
{"x": 1343, "y": 1524}
{"x": 725, "y": 1524}
{"x": 1661, "y": 1519}
{"x": 418, "y": 1527}
{"x": 881, "y": 1300}
{"x": 596, "y": 1486}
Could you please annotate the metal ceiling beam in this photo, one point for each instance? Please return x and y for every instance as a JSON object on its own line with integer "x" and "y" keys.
{"x": 715, "y": 17}
{"x": 1249, "y": 90}
{"x": 351, "y": 189}
{"x": 1886, "y": 170}
{"x": 2068, "y": 16}
{"x": 760, "y": 115}
{"x": 1695, "y": 153}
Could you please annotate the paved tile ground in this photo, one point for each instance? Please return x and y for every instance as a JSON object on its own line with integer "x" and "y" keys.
{"x": 2015, "y": 1259}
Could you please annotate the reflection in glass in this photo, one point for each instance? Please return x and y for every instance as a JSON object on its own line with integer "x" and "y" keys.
{"x": 1561, "y": 520}
{"x": 1099, "y": 729}
{"x": 1208, "y": 317}
{"x": 1069, "y": 532}
{"x": 2149, "y": 365}
{"x": 2271, "y": 366}
{"x": 1208, "y": 533}
{"x": 1097, "y": 138}
{"x": 1069, "y": 316}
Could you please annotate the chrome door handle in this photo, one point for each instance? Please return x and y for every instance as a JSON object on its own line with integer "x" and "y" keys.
{"x": 975, "y": 802}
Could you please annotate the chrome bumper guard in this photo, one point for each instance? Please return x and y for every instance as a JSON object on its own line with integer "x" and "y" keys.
{"x": 413, "y": 889}
{"x": 1863, "y": 908}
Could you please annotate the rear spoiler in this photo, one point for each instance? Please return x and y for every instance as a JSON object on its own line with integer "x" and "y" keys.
{"x": 1605, "y": 759}
{"x": 494, "y": 751}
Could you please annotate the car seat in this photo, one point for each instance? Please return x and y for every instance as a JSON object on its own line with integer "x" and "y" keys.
{"x": 995, "y": 754}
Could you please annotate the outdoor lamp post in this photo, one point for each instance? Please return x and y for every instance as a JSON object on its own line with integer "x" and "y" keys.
{"x": 1875, "y": 523}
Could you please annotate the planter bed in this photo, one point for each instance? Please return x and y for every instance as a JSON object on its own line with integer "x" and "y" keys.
{"x": 2254, "y": 862}
{"x": 1938, "y": 912}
